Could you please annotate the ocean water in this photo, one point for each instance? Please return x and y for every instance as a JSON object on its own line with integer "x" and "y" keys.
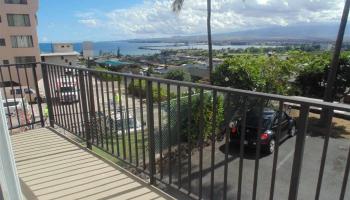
{"x": 131, "y": 48}
{"x": 126, "y": 48}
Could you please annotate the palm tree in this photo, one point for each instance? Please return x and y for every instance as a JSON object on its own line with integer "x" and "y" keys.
{"x": 177, "y": 6}
{"x": 328, "y": 95}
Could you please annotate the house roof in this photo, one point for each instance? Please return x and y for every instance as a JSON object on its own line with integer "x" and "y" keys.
{"x": 73, "y": 53}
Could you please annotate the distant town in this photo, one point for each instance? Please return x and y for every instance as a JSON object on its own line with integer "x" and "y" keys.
{"x": 191, "y": 57}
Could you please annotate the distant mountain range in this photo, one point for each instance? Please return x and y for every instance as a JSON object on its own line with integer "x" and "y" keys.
{"x": 302, "y": 32}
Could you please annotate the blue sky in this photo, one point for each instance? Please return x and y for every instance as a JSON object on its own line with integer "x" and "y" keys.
{"x": 106, "y": 20}
{"x": 58, "y": 19}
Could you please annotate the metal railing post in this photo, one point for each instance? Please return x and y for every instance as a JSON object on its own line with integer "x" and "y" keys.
{"x": 150, "y": 124}
{"x": 85, "y": 109}
{"x": 10, "y": 185}
{"x": 299, "y": 152}
{"x": 92, "y": 107}
{"x": 47, "y": 94}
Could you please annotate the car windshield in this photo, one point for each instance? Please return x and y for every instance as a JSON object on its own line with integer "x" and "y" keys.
{"x": 67, "y": 89}
{"x": 253, "y": 120}
{"x": 28, "y": 91}
{"x": 9, "y": 104}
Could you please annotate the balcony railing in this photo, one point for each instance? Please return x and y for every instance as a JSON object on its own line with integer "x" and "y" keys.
{"x": 184, "y": 135}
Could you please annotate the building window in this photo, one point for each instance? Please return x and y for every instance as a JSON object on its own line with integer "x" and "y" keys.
{"x": 16, "y": 1}
{"x": 22, "y": 41}
{"x": 66, "y": 60}
{"x": 18, "y": 20}
{"x": 70, "y": 63}
{"x": 25, "y": 59}
{"x": 2, "y": 42}
{"x": 62, "y": 58}
{"x": 6, "y": 62}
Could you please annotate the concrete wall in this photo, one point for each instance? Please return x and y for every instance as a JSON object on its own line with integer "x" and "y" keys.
{"x": 70, "y": 60}
{"x": 88, "y": 49}
{"x": 9, "y": 53}
{"x": 62, "y": 47}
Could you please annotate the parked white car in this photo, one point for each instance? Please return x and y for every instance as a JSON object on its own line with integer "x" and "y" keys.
{"x": 67, "y": 80}
{"x": 68, "y": 94}
{"x": 122, "y": 125}
{"x": 17, "y": 112}
{"x": 28, "y": 94}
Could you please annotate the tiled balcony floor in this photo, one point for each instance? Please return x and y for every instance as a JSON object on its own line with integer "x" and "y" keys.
{"x": 51, "y": 167}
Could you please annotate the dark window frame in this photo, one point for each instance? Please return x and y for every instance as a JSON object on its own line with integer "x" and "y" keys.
{"x": 11, "y": 22}
{"x": 24, "y": 2}
{"x": 2, "y": 42}
{"x": 25, "y": 59}
{"x": 14, "y": 41}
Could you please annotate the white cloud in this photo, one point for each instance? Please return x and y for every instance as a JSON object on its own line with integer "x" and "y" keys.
{"x": 44, "y": 39}
{"x": 89, "y": 22}
{"x": 90, "y": 18}
{"x": 154, "y": 18}
{"x": 263, "y": 2}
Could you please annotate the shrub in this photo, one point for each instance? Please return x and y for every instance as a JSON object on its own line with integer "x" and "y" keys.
{"x": 178, "y": 74}
{"x": 136, "y": 89}
{"x": 105, "y": 76}
{"x": 191, "y": 134}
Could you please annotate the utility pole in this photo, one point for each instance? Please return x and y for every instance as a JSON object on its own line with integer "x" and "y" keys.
{"x": 210, "y": 42}
{"x": 328, "y": 95}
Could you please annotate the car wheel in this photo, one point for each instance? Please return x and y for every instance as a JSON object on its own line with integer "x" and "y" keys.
{"x": 36, "y": 99}
{"x": 293, "y": 131}
{"x": 270, "y": 147}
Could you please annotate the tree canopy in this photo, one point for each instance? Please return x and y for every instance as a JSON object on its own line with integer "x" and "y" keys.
{"x": 178, "y": 74}
{"x": 256, "y": 73}
{"x": 293, "y": 73}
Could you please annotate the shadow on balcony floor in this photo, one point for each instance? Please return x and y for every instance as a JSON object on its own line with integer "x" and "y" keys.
{"x": 51, "y": 167}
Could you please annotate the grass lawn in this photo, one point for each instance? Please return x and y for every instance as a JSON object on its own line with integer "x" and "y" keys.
{"x": 340, "y": 127}
{"x": 135, "y": 145}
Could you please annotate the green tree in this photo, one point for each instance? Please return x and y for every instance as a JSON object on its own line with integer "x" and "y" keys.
{"x": 178, "y": 74}
{"x": 255, "y": 73}
{"x": 311, "y": 75}
{"x": 197, "y": 120}
{"x": 313, "y": 72}
{"x": 138, "y": 90}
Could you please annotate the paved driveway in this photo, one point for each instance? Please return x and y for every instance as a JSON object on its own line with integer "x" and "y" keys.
{"x": 332, "y": 179}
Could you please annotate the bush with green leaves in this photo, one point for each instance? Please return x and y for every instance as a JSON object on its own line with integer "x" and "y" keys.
{"x": 191, "y": 133}
{"x": 136, "y": 89}
{"x": 255, "y": 72}
{"x": 313, "y": 74}
{"x": 178, "y": 74}
{"x": 106, "y": 76}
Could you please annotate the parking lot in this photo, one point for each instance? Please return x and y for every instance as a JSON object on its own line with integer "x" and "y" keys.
{"x": 332, "y": 178}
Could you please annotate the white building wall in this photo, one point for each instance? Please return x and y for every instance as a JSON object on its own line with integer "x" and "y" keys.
{"x": 88, "y": 54}
{"x": 69, "y": 60}
{"x": 88, "y": 50}
{"x": 62, "y": 47}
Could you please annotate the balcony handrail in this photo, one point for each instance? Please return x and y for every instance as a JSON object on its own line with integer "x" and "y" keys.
{"x": 19, "y": 64}
{"x": 161, "y": 136}
{"x": 277, "y": 97}
{"x": 342, "y": 107}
